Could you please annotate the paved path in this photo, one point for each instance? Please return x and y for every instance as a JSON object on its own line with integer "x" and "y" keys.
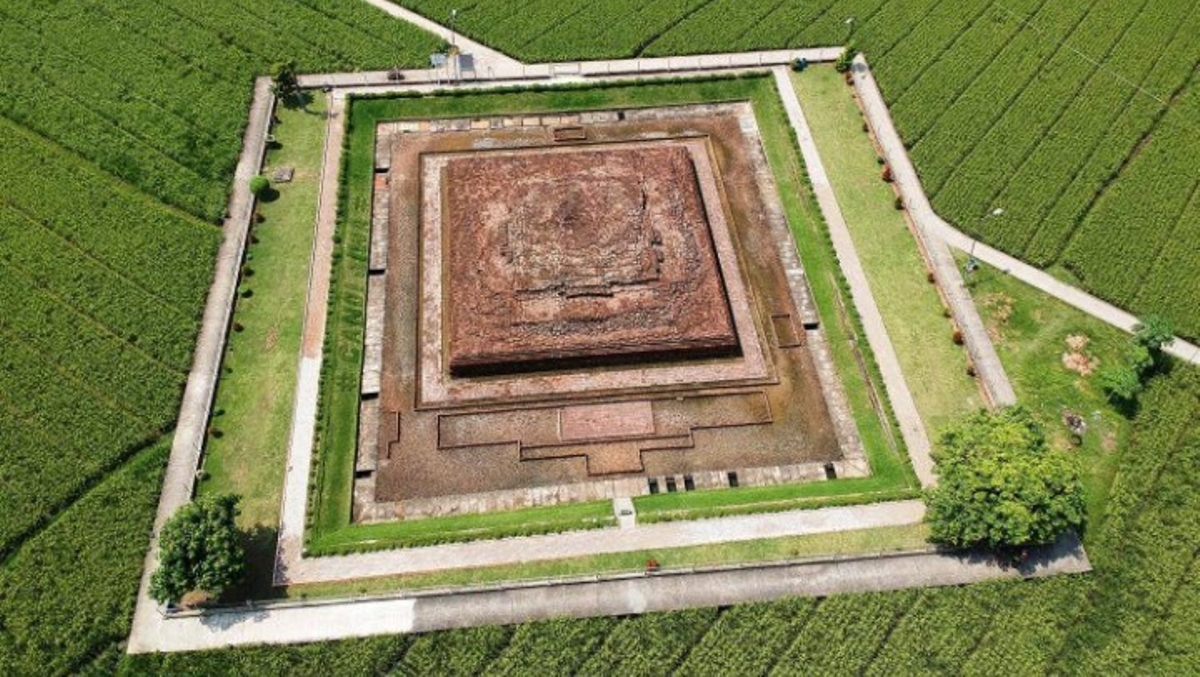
{"x": 485, "y": 57}
{"x": 571, "y": 544}
{"x": 180, "y": 477}
{"x": 982, "y": 352}
{"x": 911, "y": 426}
{"x": 616, "y": 596}
{"x": 930, "y": 222}
{"x": 574, "y": 70}
{"x": 301, "y": 443}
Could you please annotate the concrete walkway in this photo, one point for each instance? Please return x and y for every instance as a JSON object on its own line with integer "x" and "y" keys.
{"x": 928, "y": 221}
{"x": 485, "y": 57}
{"x": 905, "y": 408}
{"x": 567, "y": 71}
{"x": 301, "y": 443}
{"x": 615, "y": 596}
{"x": 657, "y": 536}
{"x": 179, "y": 479}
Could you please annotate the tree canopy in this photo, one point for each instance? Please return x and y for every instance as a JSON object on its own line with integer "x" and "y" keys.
{"x": 200, "y": 550}
{"x": 1000, "y": 484}
{"x": 284, "y": 82}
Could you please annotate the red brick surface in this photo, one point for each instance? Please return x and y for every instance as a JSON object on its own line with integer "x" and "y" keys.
{"x": 595, "y": 256}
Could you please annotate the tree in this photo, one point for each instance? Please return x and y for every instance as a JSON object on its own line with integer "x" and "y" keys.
{"x": 846, "y": 59}
{"x": 199, "y": 550}
{"x": 1153, "y": 333}
{"x": 1121, "y": 381}
{"x": 1001, "y": 485}
{"x": 284, "y": 83}
{"x": 1143, "y": 359}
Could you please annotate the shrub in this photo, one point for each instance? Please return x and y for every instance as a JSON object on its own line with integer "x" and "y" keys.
{"x": 259, "y": 185}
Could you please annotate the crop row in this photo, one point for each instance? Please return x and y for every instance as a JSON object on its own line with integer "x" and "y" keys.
{"x": 1053, "y": 124}
{"x": 1152, "y": 535}
{"x": 1170, "y": 288}
{"x": 68, "y": 593}
{"x": 960, "y": 125}
{"x": 545, "y": 30}
{"x": 973, "y": 182}
{"x": 945, "y": 31}
{"x": 129, "y": 311}
{"x": 724, "y": 22}
{"x": 607, "y": 26}
{"x": 648, "y": 645}
{"x": 456, "y": 652}
{"x": 748, "y": 639}
{"x": 153, "y": 246}
{"x": 920, "y": 89}
{"x": 1158, "y": 192}
{"x": 59, "y": 432}
{"x": 564, "y": 644}
{"x": 1050, "y": 191}
{"x": 166, "y": 115}
{"x": 86, "y": 350}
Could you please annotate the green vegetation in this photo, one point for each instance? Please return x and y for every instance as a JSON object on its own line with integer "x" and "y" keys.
{"x": 331, "y": 530}
{"x": 256, "y": 392}
{"x": 856, "y": 542}
{"x": 156, "y": 93}
{"x": 1076, "y": 118}
{"x": 1144, "y": 358}
{"x": 1000, "y": 485}
{"x": 259, "y": 185}
{"x": 67, "y": 595}
{"x": 429, "y": 531}
{"x": 120, "y": 127}
{"x": 200, "y": 554}
{"x": 1052, "y": 354}
{"x": 1136, "y": 613}
{"x": 935, "y": 368}
{"x": 96, "y": 330}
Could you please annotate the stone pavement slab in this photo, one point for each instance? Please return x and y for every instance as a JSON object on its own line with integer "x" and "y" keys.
{"x": 622, "y": 595}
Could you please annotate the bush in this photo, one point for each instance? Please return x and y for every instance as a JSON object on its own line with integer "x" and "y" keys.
{"x": 846, "y": 58}
{"x": 259, "y": 185}
{"x": 1001, "y": 485}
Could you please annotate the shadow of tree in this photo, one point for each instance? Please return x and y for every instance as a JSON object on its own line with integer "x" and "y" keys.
{"x": 259, "y": 544}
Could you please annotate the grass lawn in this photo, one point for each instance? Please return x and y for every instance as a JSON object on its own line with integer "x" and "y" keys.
{"x": 331, "y": 525}
{"x": 861, "y": 541}
{"x": 253, "y": 407}
{"x": 1030, "y": 330}
{"x": 933, "y": 366}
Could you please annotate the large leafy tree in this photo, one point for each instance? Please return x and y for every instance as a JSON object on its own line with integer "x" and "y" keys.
{"x": 200, "y": 550}
{"x": 285, "y": 83}
{"x": 1001, "y": 485}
